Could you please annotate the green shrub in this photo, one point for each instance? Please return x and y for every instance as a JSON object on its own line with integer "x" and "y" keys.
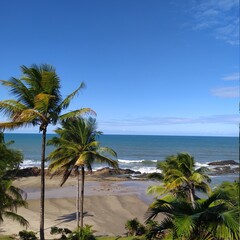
{"x": 63, "y": 231}
{"x": 134, "y": 228}
{"x": 27, "y": 235}
{"x": 85, "y": 233}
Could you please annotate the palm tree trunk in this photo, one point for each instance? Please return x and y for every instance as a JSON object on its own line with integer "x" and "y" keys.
{"x": 191, "y": 196}
{"x": 42, "y": 184}
{"x": 77, "y": 199}
{"x": 82, "y": 195}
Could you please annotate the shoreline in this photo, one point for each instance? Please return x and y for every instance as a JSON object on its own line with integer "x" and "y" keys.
{"x": 109, "y": 198}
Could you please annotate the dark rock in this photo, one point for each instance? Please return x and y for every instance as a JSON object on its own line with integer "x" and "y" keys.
{"x": 25, "y": 172}
{"x": 110, "y": 171}
{"x": 224, "y": 162}
{"x": 224, "y": 170}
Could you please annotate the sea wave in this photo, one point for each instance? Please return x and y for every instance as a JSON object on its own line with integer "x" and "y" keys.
{"x": 136, "y": 161}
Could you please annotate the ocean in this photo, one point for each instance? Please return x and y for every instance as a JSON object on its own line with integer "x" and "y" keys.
{"x": 140, "y": 152}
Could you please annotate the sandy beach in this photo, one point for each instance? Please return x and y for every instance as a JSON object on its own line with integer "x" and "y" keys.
{"x": 108, "y": 204}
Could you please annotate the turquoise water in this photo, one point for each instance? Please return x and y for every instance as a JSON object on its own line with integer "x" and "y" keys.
{"x": 141, "y": 153}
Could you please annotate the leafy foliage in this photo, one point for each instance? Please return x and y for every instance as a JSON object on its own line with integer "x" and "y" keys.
{"x": 77, "y": 147}
{"x": 10, "y": 197}
{"x": 27, "y": 235}
{"x": 85, "y": 233}
{"x": 63, "y": 231}
{"x": 134, "y": 227}
{"x": 181, "y": 178}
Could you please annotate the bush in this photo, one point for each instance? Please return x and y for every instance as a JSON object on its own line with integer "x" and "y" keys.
{"x": 63, "y": 231}
{"x": 134, "y": 228}
{"x": 27, "y": 235}
{"x": 85, "y": 233}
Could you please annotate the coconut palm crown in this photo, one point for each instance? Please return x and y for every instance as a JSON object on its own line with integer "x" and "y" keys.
{"x": 181, "y": 177}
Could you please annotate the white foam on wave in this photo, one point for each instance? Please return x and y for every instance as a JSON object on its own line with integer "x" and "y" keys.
{"x": 147, "y": 170}
{"x": 135, "y": 161}
{"x": 198, "y": 164}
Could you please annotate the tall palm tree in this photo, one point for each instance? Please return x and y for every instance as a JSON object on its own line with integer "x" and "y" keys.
{"x": 38, "y": 102}
{"x": 181, "y": 177}
{"x": 214, "y": 218}
{"x": 76, "y": 148}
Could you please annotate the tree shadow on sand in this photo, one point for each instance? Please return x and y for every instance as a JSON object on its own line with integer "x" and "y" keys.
{"x": 2, "y": 230}
{"x": 72, "y": 217}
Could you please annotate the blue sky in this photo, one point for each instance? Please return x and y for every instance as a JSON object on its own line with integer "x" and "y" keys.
{"x": 160, "y": 67}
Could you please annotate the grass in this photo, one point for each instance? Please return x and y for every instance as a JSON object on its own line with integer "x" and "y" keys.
{"x": 5, "y": 237}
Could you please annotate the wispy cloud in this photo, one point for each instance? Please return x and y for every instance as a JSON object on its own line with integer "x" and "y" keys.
{"x": 150, "y": 121}
{"x": 226, "y": 92}
{"x": 220, "y": 16}
{"x": 232, "y": 77}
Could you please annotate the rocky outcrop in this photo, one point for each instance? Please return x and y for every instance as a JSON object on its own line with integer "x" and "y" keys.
{"x": 224, "y": 162}
{"x": 110, "y": 172}
{"x": 224, "y": 167}
{"x": 35, "y": 171}
{"x": 224, "y": 170}
{"x": 25, "y": 172}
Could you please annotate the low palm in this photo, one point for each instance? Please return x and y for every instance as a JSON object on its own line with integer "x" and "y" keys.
{"x": 77, "y": 147}
{"x": 213, "y": 218}
{"x": 38, "y": 103}
{"x": 181, "y": 178}
{"x": 11, "y": 198}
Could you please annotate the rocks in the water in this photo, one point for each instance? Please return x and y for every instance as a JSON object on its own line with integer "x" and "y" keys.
{"x": 224, "y": 170}
{"x": 110, "y": 171}
{"x": 224, "y": 162}
{"x": 35, "y": 171}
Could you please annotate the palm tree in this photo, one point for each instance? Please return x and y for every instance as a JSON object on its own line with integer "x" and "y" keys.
{"x": 38, "y": 102}
{"x": 10, "y": 197}
{"x": 213, "y": 218}
{"x": 181, "y": 178}
{"x": 77, "y": 147}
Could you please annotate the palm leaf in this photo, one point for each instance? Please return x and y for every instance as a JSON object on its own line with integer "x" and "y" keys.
{"x": 65, "y": 103}
{"x": 156, "y": 190}
{"x": 76, "y": 113}
{"x": 16, "y": 217}
{"x": 11, "y": 125}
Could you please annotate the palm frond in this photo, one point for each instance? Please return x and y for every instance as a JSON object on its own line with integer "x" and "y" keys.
{"x": 76, "y": 113}
{"x": 184, "y": 226}
{"x": 107, "y": 150}
{"x": 11, "y": 125}
{"x": 65, "y": 103}
{"x": 165, "y": 209}
{"x": 15, "y": 217}
{"x": 157, "y": 190}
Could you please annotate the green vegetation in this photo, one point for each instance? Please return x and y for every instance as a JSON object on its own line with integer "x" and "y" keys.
{"x": 38, "y": 102}
{"x": 181, "y": 178}
{"x": 10, "y": 197}
{"x": 187, "y": 217}
{"x": 134, "y": 227}
{"x": 27, "y": 235}
{"x": 77, "y": 147}
{"x": 121, "y": 238}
